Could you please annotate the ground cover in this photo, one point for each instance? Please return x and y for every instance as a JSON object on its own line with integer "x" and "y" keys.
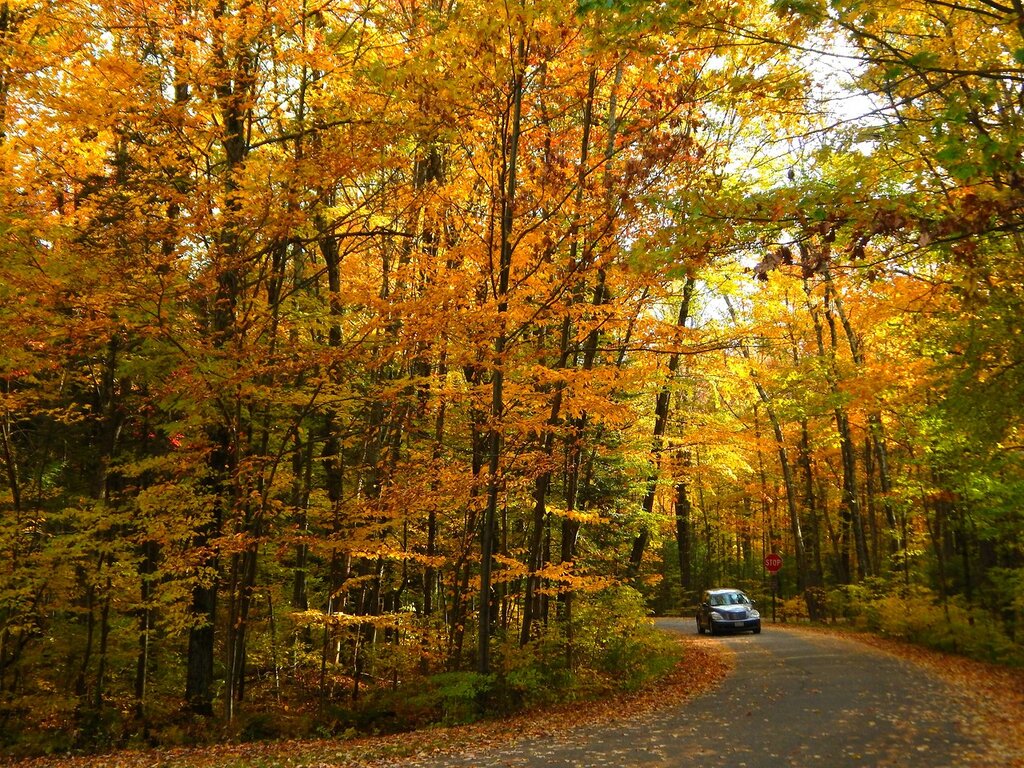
{"x": 991, "y": 696}
{"x": 703, "y": 665}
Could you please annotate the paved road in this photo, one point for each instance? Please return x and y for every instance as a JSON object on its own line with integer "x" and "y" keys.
{"x": 794, "y": 699}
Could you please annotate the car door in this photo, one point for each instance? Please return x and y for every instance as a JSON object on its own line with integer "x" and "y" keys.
{"x": 704, "y": 612}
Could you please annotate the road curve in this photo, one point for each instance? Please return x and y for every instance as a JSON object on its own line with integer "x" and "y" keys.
{"x": 794, "y": 699}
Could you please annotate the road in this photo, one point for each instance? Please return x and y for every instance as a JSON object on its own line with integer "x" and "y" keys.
{"x": 794, "y": 699}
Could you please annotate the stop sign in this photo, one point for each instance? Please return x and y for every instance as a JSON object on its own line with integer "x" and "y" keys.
{"x": 772, "y": 562}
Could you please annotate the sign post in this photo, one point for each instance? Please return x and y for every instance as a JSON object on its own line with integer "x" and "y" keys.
{"x": 772, "y": 564}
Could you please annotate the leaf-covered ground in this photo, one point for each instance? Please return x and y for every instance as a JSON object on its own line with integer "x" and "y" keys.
{"x": 991, "y": 696}
{"x": 702, "y": 667}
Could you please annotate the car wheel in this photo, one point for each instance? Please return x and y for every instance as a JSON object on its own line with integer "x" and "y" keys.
{"x": 711, "y": 628}
{"x": 700, "y": 627}
{"x": 757, "y": 630}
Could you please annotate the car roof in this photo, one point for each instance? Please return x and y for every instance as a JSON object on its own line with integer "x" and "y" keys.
{"x": 720, "y": 590}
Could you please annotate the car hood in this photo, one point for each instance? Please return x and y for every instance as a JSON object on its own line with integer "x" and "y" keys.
{"x": 732, "y": 611}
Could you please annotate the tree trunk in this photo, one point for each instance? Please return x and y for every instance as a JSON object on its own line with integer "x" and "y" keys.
{"x": 147, "y": 571}
{"x": 661, "y": 414}
{"x": 787, "y": 470}
{"x": 876, "y": 428}
{"x": 232, "y": 94}
{"x": 508, "y": 199}
{"x": 851, "y": 521}
{"x": 848, "y": 451}
{"x": 683, "y": 511}
{"x": 532, "y": 598}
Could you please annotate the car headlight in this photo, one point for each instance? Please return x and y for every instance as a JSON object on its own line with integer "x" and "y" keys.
{"x": 754, "y": 614}
{"x": 716, "y": 616}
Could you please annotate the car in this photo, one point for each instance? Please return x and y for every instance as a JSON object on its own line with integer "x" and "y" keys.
{"x": 727, "y": 610}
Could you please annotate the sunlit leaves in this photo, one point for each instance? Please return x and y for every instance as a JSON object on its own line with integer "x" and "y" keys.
{"x": 252, "y": 287}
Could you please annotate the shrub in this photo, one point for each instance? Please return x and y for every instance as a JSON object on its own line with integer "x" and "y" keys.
{"x": 616, "y": 639}
{"x": 450, "y": 698}
{"x": 535, "y": 674}
{"x": 791, "y": 609}
{"x": 916, "y": 614}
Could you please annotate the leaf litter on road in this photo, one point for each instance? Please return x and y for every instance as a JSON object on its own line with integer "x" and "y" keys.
{"x": 990, "y": 696}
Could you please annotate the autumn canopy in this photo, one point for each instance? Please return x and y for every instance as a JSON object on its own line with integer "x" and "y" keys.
{"x": 353, "y": 347}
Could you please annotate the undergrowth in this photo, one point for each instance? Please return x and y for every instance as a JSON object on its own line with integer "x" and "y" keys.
{"x": 611, "y": 645}
{"x": 920, "y": 616}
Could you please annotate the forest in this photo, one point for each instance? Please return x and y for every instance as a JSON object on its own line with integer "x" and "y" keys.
{"x": 372, "y": 363}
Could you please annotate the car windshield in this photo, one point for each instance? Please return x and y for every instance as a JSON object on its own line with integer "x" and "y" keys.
{"x": 729, "y": 598}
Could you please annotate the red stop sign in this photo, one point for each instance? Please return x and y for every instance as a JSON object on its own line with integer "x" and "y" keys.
{"x": 772, "y": 562}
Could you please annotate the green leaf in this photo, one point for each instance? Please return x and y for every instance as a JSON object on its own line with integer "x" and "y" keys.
{"x": 811, "y": 9}
{"x": 923, "y": 60}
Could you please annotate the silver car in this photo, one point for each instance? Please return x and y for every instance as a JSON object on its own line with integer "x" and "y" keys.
{"x": 727, "y": 610}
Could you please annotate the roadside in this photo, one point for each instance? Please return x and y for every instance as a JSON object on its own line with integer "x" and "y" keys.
{"x": 991, "y": 696}
{"x": 703, "y": 666}
{"x": 796, "y": 698}
{"x": 988, "y": 699}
